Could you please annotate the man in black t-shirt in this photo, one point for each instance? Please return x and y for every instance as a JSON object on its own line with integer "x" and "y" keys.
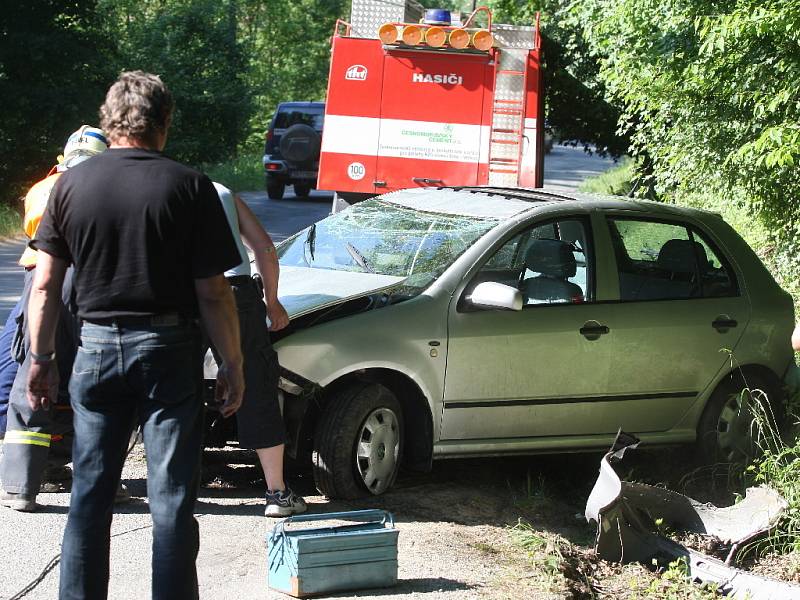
{"x": 149, "y": 243}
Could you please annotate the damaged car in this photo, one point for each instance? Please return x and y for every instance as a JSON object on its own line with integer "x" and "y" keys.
{"x": 451, "y": 322}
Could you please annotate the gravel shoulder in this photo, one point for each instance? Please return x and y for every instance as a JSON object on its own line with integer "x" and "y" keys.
{"x": 454, "y": 533}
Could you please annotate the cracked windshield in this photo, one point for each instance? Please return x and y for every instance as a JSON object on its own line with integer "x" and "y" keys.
{"x": 380, "y": 237}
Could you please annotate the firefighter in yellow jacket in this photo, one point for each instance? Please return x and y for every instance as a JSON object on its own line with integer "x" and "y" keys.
{"x": 34, "y": 438}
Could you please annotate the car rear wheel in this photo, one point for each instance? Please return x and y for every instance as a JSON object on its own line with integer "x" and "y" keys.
{"x": 302, "y": 190}
{"x": 275, "y": 188}
{"x": 742, "y": 410}
{"x": 358, "y": 442}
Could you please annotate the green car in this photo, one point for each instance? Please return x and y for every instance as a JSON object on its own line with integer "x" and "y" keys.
{"x": 452, "y": 322}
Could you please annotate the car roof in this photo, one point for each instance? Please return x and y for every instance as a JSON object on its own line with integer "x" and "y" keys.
{"x": 504, "y": 203}
{"x": 301, "y": 105}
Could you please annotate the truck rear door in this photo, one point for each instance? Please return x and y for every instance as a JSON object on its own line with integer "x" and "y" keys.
{"x": 434, "y": 119}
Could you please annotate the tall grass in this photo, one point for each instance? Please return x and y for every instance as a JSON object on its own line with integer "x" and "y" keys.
{"x": 245, "y": 173}
{"x": 617, "y": 181}
{"x": 779, "y": 468}
{"x": 10, "y": 221}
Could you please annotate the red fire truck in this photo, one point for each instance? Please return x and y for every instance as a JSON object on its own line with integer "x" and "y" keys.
{"x": 427, "y": 102}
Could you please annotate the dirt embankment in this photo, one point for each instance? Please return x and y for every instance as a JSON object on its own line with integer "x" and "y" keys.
{"x": 514, "y": 528}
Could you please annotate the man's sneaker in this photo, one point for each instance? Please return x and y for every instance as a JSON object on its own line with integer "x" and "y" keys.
{"x": 57, "y": 474}
{"x": 123, "y": 495}
{"x": 56, "y": 479}
{"x": 55, "y": 487}
{"x": 283, "y": 503}
{"x": 21, "y": 502}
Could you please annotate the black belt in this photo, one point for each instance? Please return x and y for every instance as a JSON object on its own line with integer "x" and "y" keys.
{"x": 243, "y": 280}
{"x": 162, "y": 320}
{"x": 239, "y": 279}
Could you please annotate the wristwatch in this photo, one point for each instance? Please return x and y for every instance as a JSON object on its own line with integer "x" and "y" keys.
{"x": 43, "y": 358}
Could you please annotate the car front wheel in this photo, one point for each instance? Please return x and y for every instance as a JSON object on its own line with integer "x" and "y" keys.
{"x": 275, "y": 188}
{"x": 742, "y": 413}
{"x": 358, "y": 442}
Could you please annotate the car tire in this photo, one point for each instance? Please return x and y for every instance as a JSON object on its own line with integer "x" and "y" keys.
{"x": 302, "y": 190}
{"x": 358, "y": 442}
{"x": 726, "y": 432}
{"x": 275, "y": 188}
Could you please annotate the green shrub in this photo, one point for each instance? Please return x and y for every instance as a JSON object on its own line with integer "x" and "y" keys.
{"x": 244, "y": 173}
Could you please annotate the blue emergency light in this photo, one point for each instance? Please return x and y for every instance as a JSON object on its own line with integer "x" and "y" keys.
{"x": 437, "y": 16}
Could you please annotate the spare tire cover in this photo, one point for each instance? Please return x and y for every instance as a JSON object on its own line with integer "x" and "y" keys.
{"x": 300, "y": 143}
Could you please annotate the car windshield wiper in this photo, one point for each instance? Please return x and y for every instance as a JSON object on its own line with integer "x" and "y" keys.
{"x": 311, "y": 238}
{"x": 358, "y": 257}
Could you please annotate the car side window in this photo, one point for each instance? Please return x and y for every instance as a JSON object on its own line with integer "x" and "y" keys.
{"x": 716, "y": 276}
{"x": 664, "y": 261}
{"x": 548, "y": 263}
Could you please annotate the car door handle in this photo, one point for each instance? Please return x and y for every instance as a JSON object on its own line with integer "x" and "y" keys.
{"x": 378, "y": 183}
{"x": 426, "y": 181}
{"x": 592, "y": 330}
{"x": 723, "y": 322}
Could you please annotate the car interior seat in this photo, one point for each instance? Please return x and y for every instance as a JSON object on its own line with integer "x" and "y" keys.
{"x": 554, "y": 263}
{"x": 676, "y": 262}
{"x": 678, "y": 257}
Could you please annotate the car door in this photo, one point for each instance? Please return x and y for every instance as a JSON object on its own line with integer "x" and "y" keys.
{"x": 680, "y": 311}
{"x": 540, "y": 371}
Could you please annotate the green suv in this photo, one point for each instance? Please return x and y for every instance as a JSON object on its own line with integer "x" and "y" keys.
{"x": 448, "y": 322}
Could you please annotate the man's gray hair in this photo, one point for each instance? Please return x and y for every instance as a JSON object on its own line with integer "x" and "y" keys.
{"x": 138, "y": 106}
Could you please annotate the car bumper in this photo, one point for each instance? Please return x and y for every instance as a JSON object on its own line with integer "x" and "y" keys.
{"x": 275, "y": 167}
{"x": 290, "y": 171}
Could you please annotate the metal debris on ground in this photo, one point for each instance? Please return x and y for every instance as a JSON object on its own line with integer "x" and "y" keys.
{"x": 628, "y": 516}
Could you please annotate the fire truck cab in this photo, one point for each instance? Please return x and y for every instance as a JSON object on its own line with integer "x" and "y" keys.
{"x": 421, "y": 102}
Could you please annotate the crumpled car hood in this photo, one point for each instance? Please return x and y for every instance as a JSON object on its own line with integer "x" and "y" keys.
{"x": 303, "y": 289}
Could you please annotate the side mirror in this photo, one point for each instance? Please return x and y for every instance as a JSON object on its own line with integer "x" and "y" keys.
{"x": 490, "y": 294}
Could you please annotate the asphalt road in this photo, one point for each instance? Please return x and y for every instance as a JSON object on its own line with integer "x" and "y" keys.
{"x": 565, "y": 168}
{"x": 437, "y": 558}
{"x": 284, "y": 217}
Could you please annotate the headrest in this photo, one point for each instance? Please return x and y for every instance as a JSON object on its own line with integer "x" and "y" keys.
{"x": 553, "y": 258}
{"x": 679, "y": 256}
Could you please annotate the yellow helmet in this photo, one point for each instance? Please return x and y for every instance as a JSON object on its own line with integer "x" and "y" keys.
{"x": 83, "y": 143}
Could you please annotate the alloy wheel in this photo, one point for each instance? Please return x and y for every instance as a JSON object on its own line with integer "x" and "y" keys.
{"x": 378, "y": 449}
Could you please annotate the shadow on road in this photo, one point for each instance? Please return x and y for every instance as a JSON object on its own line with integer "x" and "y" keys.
{"x": 409, "y": 586}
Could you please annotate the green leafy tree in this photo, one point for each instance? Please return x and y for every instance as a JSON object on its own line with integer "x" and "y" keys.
{"x": 577, "y": 108}
{"x": 194, "y": 45}
{"x": 288, "y": 49}
{"x": 52, "y": 80}
{"x": 709, "y": 91}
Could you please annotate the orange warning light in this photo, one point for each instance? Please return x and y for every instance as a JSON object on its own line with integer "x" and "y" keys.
{"x": 459, "y": 39}
{"x": 482, "y": 40}
{"x": 435, "y": 37}
{"x": 412, "y": 35}
{"x": 387, "y": 33}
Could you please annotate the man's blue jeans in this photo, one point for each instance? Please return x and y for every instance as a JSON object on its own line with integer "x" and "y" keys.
{"x": 123, "y": 374}
{"x": 8, "y": 366}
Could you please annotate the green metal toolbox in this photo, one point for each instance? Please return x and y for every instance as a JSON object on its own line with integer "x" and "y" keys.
{"x": 320, "y": 560}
